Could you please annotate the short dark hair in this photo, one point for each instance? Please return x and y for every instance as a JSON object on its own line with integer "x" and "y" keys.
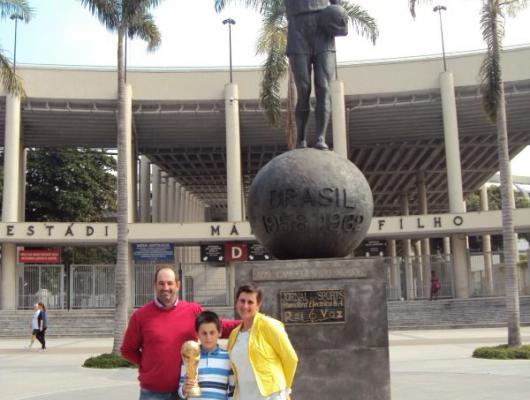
{"x": 250, "y": 287}
{"x": 207, "y": 317}
{"x": 165, "y": 267}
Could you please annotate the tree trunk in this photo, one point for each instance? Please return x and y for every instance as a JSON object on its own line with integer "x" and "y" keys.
{"x": 122, "y": 263}
{"x": 508, "y": 231}
{"x": 290, "y": 126}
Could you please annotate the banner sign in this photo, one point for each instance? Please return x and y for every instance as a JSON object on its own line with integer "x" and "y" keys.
{"x": 39, "y": 255}
{"x": 256, "y": 252}
{"x": 237, "y": 251}
{"x": 212, "y": 252}
{"x": 154, "y": 252}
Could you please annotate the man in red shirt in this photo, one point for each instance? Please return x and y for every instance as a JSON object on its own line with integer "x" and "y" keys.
{"x": 155, "y": 335}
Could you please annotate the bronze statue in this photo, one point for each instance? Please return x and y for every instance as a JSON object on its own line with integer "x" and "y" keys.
{"x": 312, "y": 27}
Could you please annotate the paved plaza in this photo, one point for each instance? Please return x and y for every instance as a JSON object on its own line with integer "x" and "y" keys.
{"x": 433, "y": 364}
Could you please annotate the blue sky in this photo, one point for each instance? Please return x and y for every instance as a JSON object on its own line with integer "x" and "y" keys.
{"x": 65, "y": 33}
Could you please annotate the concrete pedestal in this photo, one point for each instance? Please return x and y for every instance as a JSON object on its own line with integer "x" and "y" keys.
{"x": 335, "y": 314}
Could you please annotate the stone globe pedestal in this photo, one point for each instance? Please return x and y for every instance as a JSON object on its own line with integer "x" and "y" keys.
{"x": 309, "y": 203}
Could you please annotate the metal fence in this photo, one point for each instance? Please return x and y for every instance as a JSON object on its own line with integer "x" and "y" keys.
{"x": 40, "y": 283}
{"x": 416, "y": 283}
{"x": 92, "y": 286}
{"x": 206, "y": 284}
{"x": 480, "y": 285}
{"x": 144, "y": 275}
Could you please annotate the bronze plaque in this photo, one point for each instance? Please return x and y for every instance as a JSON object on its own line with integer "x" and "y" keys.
{"x": 324, "y": 306}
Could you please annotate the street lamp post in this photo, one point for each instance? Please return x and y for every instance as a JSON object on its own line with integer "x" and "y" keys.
{"x": 230, "y": 22}
{"x": 16, "y": 17}
{"x": 439, "y": 10}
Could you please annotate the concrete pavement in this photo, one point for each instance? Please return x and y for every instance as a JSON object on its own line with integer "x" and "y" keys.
{"x": 424, "y": 365}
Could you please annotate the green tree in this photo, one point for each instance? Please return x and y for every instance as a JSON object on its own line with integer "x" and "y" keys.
{"x": 272, "y": 42}
{"x": 10, "y": 80}
{"x": 131, "y": 18}
{"x": 494, "y": 199}
{"x": 494, "y": 104}
{"x": 70, "y": 185}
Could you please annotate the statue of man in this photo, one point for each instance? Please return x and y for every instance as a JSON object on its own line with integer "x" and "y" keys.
{"x": 309, "y": 46}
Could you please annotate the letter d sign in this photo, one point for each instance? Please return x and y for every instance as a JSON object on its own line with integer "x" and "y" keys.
{"x": 237, "y": 251}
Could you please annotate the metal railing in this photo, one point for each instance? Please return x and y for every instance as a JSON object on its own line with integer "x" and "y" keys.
{"x": 92, "y": 286}
{"x": 40, "y": 283}
{"x": 419, "y": 285}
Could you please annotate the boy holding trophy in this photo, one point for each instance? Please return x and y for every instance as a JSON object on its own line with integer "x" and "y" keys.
{"x": 206, "y": 372}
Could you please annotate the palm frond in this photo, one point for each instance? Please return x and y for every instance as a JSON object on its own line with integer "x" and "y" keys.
{"x": 274, "y": 69}
{"x": 513, "y": 6}
{"x": 492, "y": 25}
{"x": 11, "y": 82}
{"x": 107, "y": 12}
{"x": 362, "y": 22}
{"x": 19, "y": 7}
{"x": 274, "y": 27}
{"x": 259, "y": 5}
{"x": 143, "y": 26}
{"x": 131, "y": 7}
{"x": 412, "y": 6}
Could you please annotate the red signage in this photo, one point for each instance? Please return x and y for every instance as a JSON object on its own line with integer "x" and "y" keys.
{"x": 39, "y": 255}
{"x": 237, "y": 251}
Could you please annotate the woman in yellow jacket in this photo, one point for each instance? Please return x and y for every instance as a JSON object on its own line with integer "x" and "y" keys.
{"x": 262, "y": 356}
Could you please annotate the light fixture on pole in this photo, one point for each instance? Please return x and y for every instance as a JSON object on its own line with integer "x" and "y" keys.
{"x": 439, "y": 10}
{"x": 16, "y": 17}
{"x": 230, "y": 22}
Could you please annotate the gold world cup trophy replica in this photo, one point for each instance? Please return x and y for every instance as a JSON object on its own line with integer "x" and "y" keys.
{"x": 191, "y": 354}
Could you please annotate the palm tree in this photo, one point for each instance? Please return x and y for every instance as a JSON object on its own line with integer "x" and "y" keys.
{"x": 129, "y": 17}
{"x": 273, "y": 42}
{"x": 21, "y": 9}
{"x": 494, "y": 104}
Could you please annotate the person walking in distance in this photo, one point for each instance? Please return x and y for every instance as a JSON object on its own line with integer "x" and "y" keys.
{"x": 43, "y": 325}
{"x": 34, "y": 325}
{"x": 435, "y": 285}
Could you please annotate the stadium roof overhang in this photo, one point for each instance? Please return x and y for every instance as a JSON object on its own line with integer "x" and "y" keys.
{"x": 394, "y": 123}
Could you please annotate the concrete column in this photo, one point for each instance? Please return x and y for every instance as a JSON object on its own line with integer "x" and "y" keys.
{"x": 132, "y": 172}
{"x": 486, "y": 245}
{"x": 145, "y": 189}
{"x": 447, "y": 246}
{"x": 195, "y": 209}
{"x": 155, "y": 200}
{"x": 395, "y": 275}
{"x": 407, "y": 253}
{"x": 454, "y": 182}
{"x": 22, "y": 183}
{"x": 338, "y": 118}
{"x": 11, "y": 198}
{"x": 175, "y": 216}
{"x": 425, "y": 242}
{"x": 170, "y": 199}
{"x": 181, "y": 210}
{"x": 233, "y": 153}
{"x": 130, "y": 156}
{"x": 163, "y": 196}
